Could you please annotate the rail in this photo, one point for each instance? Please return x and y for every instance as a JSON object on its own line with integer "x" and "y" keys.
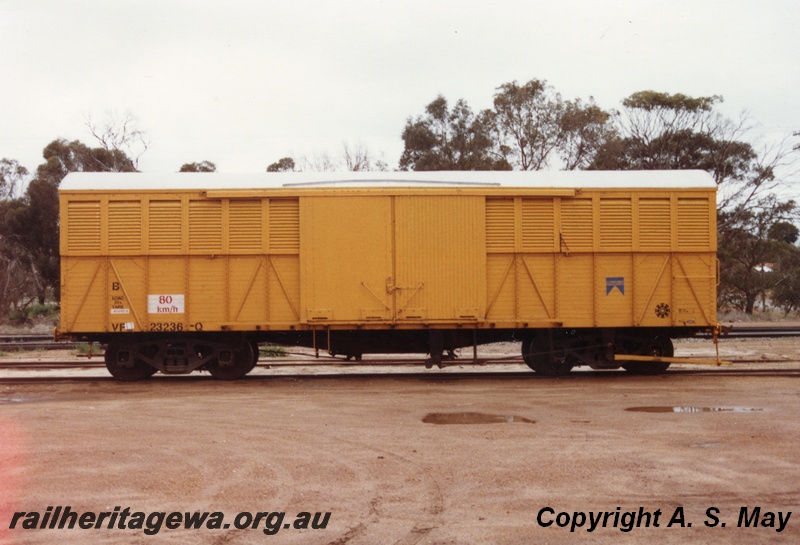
{"x": 23, "y": 342}
{"x": 755, "y": 332}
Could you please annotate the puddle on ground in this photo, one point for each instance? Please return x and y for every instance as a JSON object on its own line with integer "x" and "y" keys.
{"x": 473, "y": 418}
{"x": 668, "y": 409}
{"x": 13, "y": 400}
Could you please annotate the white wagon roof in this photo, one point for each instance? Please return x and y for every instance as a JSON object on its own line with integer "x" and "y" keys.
{"x": 116, "y": 181}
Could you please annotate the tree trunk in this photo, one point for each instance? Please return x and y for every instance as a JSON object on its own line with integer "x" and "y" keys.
{"x": 750, "y": 302}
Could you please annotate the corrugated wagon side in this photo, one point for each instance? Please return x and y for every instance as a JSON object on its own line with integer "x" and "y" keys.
{"x": 185, "y": 272}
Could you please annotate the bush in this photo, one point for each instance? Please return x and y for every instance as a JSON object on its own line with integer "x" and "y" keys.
{"x": 46, "y": 311}
{"x": 17, "y": 316}
{"x": 33, "y": 314}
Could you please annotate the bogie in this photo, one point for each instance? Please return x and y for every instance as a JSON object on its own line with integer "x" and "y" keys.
{"x": 554, "y": 352}
{"x": 226, "y": 358}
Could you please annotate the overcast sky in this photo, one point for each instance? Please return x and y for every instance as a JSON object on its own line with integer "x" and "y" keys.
{"x": 244, "y": 83}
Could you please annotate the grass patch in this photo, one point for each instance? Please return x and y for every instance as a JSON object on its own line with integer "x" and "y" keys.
{"x": 84, "y": 349}
{"x": 271, "y": 351}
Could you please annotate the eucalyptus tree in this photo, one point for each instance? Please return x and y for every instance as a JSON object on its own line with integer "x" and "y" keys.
{"x": 527, "y": 123}
{"x": 202, "y": 166}
{"x": 450, "y": 139}
{"x": 12, "y": 177}
{"x": 285, "y": 164}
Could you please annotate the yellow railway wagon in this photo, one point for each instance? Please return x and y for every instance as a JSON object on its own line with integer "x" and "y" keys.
{"x": 179, "y": 272}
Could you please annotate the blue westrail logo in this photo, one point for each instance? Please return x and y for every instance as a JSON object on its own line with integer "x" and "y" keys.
{"x": 613, "y": 282}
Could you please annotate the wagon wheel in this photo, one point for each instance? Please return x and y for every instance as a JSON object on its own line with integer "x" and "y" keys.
{"x": 241, "y": 362}
{"x": 122, "y": 363}
{"x": 547, "y": 361}
{"x": 526, "y": 348}
{"x": 657, "y": 346}
{"x": 256, "y": 354}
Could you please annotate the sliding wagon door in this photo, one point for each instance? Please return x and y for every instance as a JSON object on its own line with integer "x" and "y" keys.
{"x": 440, "y": 261}
{"x": 346, "y": 247}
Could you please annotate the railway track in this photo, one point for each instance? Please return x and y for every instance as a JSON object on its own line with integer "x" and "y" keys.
{"x": 329, "y": 365}
{"x": 51, "y": 378}
{"x": 21, "y": 342}
{"x": 310, "y": 364}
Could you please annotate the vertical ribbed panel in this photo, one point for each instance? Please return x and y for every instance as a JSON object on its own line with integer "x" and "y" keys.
{"x": 574, "y": 286}
{"x": 499, "y": 225}
{"x": 83, "y": 219}
{"x": 164, "y": 233}
{"x": 694, "y": 288}
{"x": 654, "y": 224}
{"x": 207, "y": 290}
{"x": 616, "y": 224}
{"x": 205, "y": 226}
{"x": 246, "y": 225}
{"x": 501, "y": 287}
{"x": 247, "y": 286}
{"x": 535, "y": 293}
{"x": 124, "y": 226}
{"x": 538, "y": 225}
{"x": 652, "y": 288}
{"x": 84, "y": 303}
{"x": 440, "y": 261}
{"x": 577, "y": 226}
{"x": 693, "y": 224}
{"x": 613, "y": 283}
{"x": 284, "y": 225}
{"x": 167, "y": 274}
{"x": 283, "y": 288}
{"x": 128, "y": 271}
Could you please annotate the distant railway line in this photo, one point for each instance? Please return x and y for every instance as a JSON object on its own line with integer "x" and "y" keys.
{"x": 756, "y": 332}
{"x": 24, "y": 342}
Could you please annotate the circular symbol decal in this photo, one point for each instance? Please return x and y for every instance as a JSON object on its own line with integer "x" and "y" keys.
{"x": 662, "y": 310}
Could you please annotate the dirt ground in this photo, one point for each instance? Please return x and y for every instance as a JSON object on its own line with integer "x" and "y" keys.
{"x": 400, "y": 458}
